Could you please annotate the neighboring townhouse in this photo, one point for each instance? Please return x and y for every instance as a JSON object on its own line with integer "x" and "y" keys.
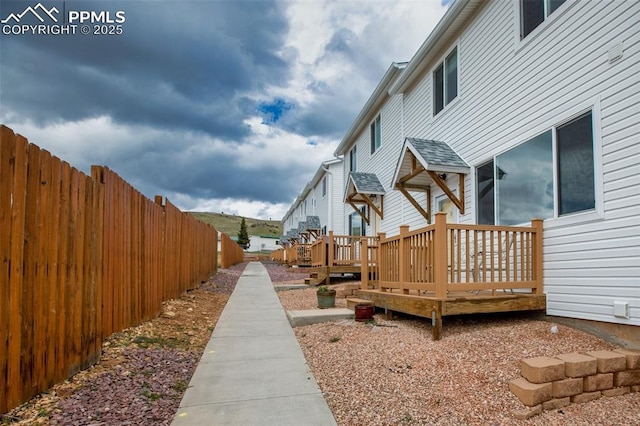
{"x": 512, "y": 110}
{"x": 321, "y": 197}
{"x": 368, "y": 148}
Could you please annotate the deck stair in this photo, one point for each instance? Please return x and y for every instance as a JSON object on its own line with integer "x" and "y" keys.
{"x": 317, "y": 276}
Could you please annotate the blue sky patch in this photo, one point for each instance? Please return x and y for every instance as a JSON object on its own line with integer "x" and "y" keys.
{"x": 273, "y": 111}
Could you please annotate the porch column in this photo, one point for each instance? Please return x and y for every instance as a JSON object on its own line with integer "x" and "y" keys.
{"x": 440, "y": 255}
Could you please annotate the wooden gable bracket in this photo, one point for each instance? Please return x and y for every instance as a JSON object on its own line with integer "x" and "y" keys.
{"x": 403, "y": 188}
{"x": 362, "y": 215}
{"x": 372, "y": 205}
{"x": 459, "y": 202}
{"x": 314, "y": 233}
{"x": 369, "y": 202}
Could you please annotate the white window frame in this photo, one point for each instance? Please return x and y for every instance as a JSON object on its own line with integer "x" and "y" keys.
{"x": 548, "y": 21}
{"x": 324, "y": 186}
{"x": 595, "y": 214}
{"x": 353, "y": 159}
{"x": 375, "y": 134}
{"x": 441, "y": 61}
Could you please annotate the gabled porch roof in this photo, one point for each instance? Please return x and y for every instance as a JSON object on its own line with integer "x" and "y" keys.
{"x": 424, "y": 162}
{"x": 362, "y": 188}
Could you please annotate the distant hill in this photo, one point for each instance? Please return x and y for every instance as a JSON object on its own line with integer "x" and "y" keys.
{"x": 230, "y": 224}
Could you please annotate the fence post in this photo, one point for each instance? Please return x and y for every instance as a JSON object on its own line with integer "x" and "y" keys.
{"x": 440, "y": 255}
{"x": 536, "y": 224}
{"x": 402, "y": 262}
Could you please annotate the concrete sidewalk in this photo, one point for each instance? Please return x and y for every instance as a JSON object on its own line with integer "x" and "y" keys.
{"x": 253, "y": 371}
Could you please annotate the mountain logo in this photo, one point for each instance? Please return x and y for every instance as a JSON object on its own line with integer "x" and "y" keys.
{"x": 38, "y": 11}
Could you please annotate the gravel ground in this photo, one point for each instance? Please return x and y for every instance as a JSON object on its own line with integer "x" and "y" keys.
{"x": 382, "y": 373}
{"x": 392, "y": 373}
{"x": 281, "y": 274}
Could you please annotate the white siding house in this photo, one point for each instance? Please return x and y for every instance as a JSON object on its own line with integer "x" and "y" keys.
{"x": 321, "y": 197}
{"x": 523, "y": 105}
{"x": 375, "y": 137}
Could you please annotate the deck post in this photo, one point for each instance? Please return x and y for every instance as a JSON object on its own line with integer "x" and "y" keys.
{"x": 537, "y": 255}
{"x": 440, "y": 255}
{"x": 436, "y": 321}
{"x": 330, "y": 250}
{"x": 402, "y": 259}
{"x": 364, "y": 264}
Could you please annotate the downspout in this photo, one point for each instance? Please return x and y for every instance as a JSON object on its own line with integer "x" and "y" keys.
{"x": 330, "y": 195}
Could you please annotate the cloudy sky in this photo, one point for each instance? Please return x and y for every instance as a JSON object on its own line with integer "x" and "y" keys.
{"x": 218, "y": 105}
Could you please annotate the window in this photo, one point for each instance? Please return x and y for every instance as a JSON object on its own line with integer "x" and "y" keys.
{"x": 521, "y": 184}
{"x": 485, "y": 185}
{"x": 376, "y": 139}
{"x": 445, "y": 82}
{"x": 324, "y": 186}
{"x": 534, "y": 12}
{"x": 352, "y": 160}
{"x": 357, "y": 226}
{"x": 576, "y": 175}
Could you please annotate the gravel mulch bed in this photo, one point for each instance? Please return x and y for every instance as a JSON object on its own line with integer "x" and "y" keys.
{"x": 283, "y": 274}
{"x": 392, "y": 373}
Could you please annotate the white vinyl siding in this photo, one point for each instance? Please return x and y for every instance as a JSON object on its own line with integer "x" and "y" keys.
{"x": 591, "y": 259}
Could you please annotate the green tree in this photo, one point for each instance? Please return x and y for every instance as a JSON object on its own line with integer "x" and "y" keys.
{"x": 243, "y": 236}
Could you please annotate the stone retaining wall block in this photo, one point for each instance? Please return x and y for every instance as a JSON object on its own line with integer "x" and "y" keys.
{"x": 530, "y": 394}
{"x": 633, "y": 358}
{"x": 609, "y": 361}
{"x": 579, "y": 365}
{"x": 616, "y": 391}
{"x": 585, "y": 397}
{"x": 554, "y": 404}
{"x": 542, "y": 369}
{"x": 597, "y": 382}
{"x": 567, "y": 387}
{"x": 626, "y": 378}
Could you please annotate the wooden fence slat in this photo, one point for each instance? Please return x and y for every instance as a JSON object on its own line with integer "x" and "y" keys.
{"x": 52, "y": 282}
{"x": 7, "y": 157}
{"x": 41, "y": 295}
{"x": 30, "y": 270}
{"x": 18, "y": 221}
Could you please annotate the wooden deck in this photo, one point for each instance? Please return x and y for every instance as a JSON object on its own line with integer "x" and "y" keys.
{"x": 440, "y": 270}
{"x": 456, "y": 303}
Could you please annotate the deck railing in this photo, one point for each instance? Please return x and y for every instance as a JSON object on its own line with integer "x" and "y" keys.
{"x": 342, "y": 250}
{"x": 303, "y": 254}
{"x": 452, "y": 257}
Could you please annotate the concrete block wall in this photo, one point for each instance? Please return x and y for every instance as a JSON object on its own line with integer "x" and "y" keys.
{"x": 550, "y": 383}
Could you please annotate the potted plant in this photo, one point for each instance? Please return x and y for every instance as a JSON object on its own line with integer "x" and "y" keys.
{"x": 326, "y": 297}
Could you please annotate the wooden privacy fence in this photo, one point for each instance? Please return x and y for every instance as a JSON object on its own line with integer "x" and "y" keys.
{"x": 230, "y": 252}
{"x": 80, "y": 258}
{"x": 452, "y": 257}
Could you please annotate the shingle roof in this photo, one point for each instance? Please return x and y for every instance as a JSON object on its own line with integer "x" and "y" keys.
{"x": 313, "y": 222}
{"x": 437, "y": 153}
{"x": 366, "y": 183}
{"x": 302, "y": 227}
